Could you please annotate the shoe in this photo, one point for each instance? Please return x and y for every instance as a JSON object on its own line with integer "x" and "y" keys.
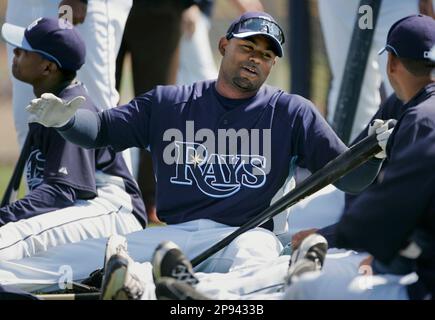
{"x": 115, "y": 244}
{"x": 119, "y": 283}
{"x": 172, "y": 289}
{"x": 308, "y": 257}
{"x": 169, "y": 261}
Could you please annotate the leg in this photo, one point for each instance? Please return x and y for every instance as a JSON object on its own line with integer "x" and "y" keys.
{"x": 100, "y": 217}
{"x": 340, "y": 279}
{"x": 173, "y": 278}
{"x": 140, "y": 29}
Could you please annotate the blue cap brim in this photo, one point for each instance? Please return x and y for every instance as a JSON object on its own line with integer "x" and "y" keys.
{"x": 14, "y": 35}
{"x": 276, "y": 43}
{"x": 382, "y": 51}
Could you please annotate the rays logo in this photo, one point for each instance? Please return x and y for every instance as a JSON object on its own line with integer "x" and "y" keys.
{"x": 218, "y": 172}
{"x": 214, "y": 174}
{"x": 35, "y": 169}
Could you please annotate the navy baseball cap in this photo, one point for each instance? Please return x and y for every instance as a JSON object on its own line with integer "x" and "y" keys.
{"x": 55, "y": 39}
{"x": 255, "y": 23}
{"x": 411, "y": 37}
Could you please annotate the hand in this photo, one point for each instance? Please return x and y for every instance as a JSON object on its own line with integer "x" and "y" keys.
{"x": 380, "y": 128}
{"x": 301, "y": 235}
{"x": 426, "y": 7}
{"x": 248, "y": 5}
{"x": 51, "y": 111}
{"x": 367, "y": 262}
{"x": 79, "y": 9}
{"x": 189, "y": 20}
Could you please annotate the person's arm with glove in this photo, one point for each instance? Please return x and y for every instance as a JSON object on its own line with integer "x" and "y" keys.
{"x": 128, "y": 124}
{"x": 358, "y": 179}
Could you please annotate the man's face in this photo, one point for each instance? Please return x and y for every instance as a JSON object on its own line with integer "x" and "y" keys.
{"x": 246, "y": 63}
{"x": 27, "y": 66}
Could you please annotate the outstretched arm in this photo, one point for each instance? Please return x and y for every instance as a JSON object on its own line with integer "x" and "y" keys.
{"x": 121, "y": 127}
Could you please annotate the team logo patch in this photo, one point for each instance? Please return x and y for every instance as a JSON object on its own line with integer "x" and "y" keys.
{"x": 217, "y": 175}
{"x": 35, "y": 169}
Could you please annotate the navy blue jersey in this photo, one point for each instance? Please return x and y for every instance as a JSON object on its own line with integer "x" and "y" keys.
{"x": 392, "y": 108}
{"x": 57, "y": 169}
{"x": 416, "y": 119}
{"x": 386, "y": 217}
{"x": 187, "y": 123}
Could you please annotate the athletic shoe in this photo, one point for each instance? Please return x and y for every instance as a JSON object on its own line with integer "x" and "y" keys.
{"x": 119, "y": 283}
{"x": 169, "y": 261}
{"x": 172, "y": 289}
{"x": 95, "y": 279}
{"x": 114, "y": 244}
{"x": 308, "y": 257}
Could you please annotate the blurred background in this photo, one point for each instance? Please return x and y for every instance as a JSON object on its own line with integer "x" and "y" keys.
{"x": 223, "y": 13}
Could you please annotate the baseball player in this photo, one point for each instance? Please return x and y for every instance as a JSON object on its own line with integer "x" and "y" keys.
{"x": 337, "y": 19}
{"x": 101, "y": 25}
{"x": 403, "y": 267}
{"x": 392, "y": 220}
{"x": 414, "y": 122}
{"x": 74, "y": 194}
{"x": 221, "y": 149}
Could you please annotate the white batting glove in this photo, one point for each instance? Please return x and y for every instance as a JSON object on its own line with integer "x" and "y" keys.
{"x": 51, "y": 111}
{"x": 380, "y": 128}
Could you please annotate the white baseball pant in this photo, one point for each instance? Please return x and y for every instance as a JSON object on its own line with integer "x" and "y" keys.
{"x": 109, "y": 213}
{"x": 255, "y": 247}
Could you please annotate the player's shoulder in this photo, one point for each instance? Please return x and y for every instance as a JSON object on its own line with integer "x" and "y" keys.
{"x": 421, "y": 111}
{"x": 420, "y": 154}
{"x": 294, "y": 103}
{"x": 177, "y": 94}
{"x": 78, "y": 89}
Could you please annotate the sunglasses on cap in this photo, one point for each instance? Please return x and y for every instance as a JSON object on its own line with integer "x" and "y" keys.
{"x": 259, "y": 25}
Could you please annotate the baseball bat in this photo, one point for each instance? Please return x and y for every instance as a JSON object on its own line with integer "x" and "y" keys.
{"x": 14, "y": 183}
{"x": 353, "y": 74}
{"x": 70, "y": 296}
{"x": 331, "y": 172}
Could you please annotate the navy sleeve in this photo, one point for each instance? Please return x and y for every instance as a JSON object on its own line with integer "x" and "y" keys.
{"x": 381, "y": 220}
{"x": 128, "y": 126}
{"x": 83, "y": 129}
{"x": 121, "y": 128}
{"x": 392, "y": 108}
{"x": 329, "y": 233}
{"x": 313, "y": 140}
{"x": 43, "y": 199}
{"x": 360, "y": 178}
{"x": 316, "y": 144}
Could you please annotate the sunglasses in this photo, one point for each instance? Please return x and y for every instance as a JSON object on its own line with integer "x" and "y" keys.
{"x": 258, "y": 25}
